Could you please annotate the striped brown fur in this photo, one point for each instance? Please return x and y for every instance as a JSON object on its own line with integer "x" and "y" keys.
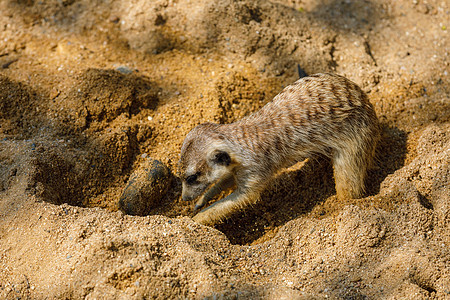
{"x": 322, "y": 114}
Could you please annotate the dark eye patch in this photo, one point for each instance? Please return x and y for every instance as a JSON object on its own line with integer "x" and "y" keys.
{"x": 192, "y": 179}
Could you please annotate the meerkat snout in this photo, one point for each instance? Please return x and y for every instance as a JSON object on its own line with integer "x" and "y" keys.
{"x": 217, "y": 168}
{"x": 321, "y": 114}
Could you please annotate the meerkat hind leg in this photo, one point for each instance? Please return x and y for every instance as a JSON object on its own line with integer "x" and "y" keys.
{"x": 223, "y": 184}
{"x": 224, "y": 207}
{"x": 350, "y": 170}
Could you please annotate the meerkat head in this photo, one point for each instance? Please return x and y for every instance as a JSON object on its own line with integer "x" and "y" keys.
{"x": 205, "y": 159}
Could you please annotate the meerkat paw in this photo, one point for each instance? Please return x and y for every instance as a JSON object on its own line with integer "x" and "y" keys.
{"x": 203, "y": 218}
{"x": 223, "y": 208}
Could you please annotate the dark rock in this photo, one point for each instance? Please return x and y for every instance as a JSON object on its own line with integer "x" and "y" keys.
{"x": 145, "y": 188}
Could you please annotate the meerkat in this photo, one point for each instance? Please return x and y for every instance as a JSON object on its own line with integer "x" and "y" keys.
{"x": 321, "y": 114}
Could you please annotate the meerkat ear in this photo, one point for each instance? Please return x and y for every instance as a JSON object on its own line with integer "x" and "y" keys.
{"x": 221, "y": 158}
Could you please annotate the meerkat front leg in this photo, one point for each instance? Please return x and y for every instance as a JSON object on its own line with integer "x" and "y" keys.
{"x": 223, "y": 208}
{"x": 220, "y": 186}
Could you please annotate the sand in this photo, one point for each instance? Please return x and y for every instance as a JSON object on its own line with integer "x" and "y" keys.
{"x": 91, "y": 91}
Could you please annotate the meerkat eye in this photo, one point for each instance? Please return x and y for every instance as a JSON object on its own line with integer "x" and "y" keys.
{"x": 222, "y": 158}
{"x": 192, "y": 179}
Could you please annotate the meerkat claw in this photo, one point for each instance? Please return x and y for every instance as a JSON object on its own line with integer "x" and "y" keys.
{"x": 197, "y": 207}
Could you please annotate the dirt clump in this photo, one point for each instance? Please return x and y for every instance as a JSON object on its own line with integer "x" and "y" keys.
{"x": 145, "y": 187}
{"x": 103, "y": 95}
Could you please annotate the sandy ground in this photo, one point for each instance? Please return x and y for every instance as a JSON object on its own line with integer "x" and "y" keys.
{"x": 92, "y": 91}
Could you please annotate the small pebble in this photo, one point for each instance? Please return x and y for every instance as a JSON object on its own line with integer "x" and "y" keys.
{"x": 114, "y": 19}
{"x": 124, "y": 70}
